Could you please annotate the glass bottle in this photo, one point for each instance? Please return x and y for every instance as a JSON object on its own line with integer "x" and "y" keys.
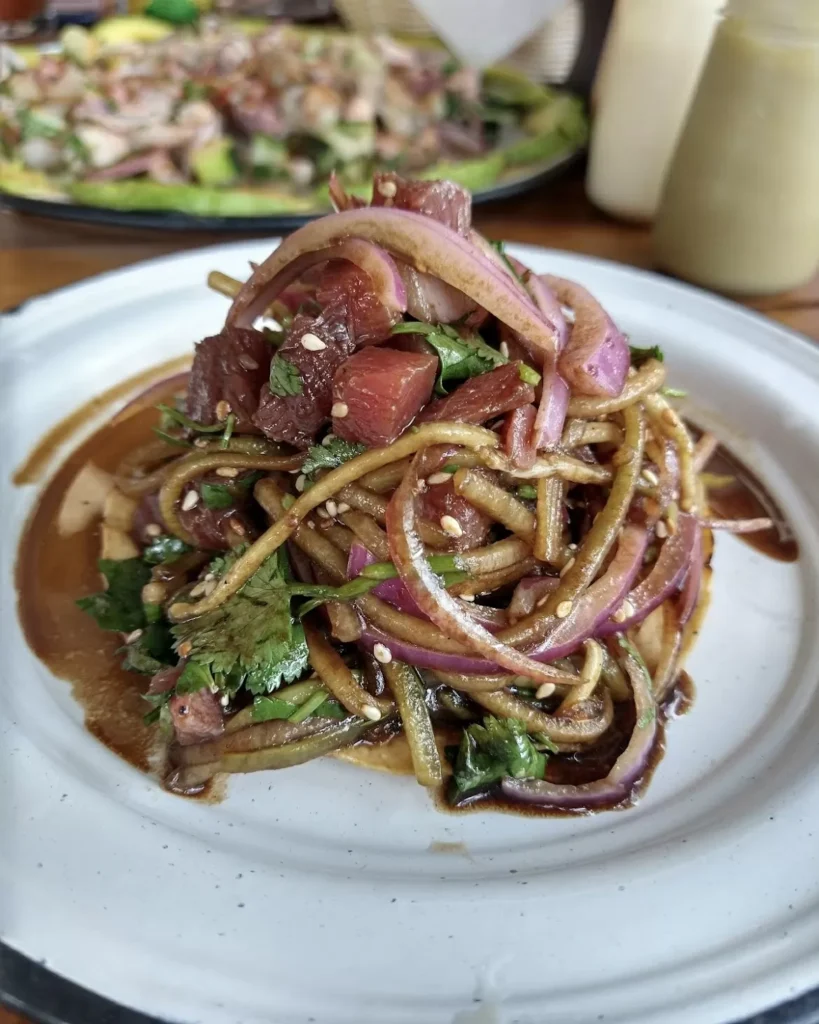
{"x": 740, "y": 206}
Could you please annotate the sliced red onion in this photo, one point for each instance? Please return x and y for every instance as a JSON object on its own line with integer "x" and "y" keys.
{"x": 627, "y": 771}
{"x": 423, "y": 657}
{"x": 673, "y": 561}
{"x": 596, "y": 359}
{"x": 379, "y": 266}
{"x": 691, "y": 588}
{"x": 554, "y": 404}
{"x": 154, "y": 393}
{"x": 431, "y": 300}
{"x": 395, "y": 593}
{"x": 428, "y": 246}
{"x": 527, "y": 594}
{"x": 442, "y": 608}
{"x": 595, "y": 605}
{"x": 546, "y": 301}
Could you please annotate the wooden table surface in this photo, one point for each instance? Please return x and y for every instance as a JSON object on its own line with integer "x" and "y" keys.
{"x": 37, "y": 255}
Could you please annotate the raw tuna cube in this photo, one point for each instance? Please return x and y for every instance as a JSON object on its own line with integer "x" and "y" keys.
{"x": 346, "y": 292}
{"x": 482, "y": 398}
{"x": 229, "y": 367}
{"x": 441, "y": 500}
{"x": 378, "y": 392}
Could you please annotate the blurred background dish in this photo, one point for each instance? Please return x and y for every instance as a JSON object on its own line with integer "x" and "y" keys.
{"x": 173, "y": 117}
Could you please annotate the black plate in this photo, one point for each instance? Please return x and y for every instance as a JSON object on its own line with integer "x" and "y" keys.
{"x": 512, "y": 185}
{"x": 45, "y": 997}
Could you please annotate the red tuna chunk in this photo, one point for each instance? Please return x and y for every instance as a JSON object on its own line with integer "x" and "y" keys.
{"x": 230, "y": 367}
{"x": 297, "y": 419}
{"x": 383, "y": 390}
{"x": 482, "y": 398}
{"x": 444, "y": 201}
{"x": 441, "y": 500}
{"x": 347, "y": 291}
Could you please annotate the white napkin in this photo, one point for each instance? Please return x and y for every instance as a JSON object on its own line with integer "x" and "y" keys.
{"x": 481, "y": 32}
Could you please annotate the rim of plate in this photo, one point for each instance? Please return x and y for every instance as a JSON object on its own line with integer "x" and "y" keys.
{"x": 43, "y": 991}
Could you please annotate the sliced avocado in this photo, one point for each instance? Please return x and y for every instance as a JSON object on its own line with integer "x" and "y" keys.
{"x": 267, "y": 156}
{"x": 476, "y": 174}
{"x": 512, "y": 88}
{"x": 191, "y": 199}
{"x": 213, "y": 165}
{"x": 18, "y": 180}
{"x": 560, "y": 127}
{"x": 130, "y": 28}
{"x": 177, "y": 12}
{"x": 79, "y": 45}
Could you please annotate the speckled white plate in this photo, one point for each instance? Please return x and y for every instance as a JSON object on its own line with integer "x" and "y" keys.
{"x": 321, "y": 893}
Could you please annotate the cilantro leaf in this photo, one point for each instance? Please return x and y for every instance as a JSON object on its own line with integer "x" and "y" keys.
{"x": 216, "y": 496}
{"x": 119, "y": 608}
{"x": 150, "y": 652}
{"x": 331, "y": 456}
{"x": 527, "y": 491}
{"x": 461, "y": 356}
{"x": 195, "y": 676}
{"x": 175, "y": 417}
{"x": 165, "y": 549}
{"x": 500, "y": 248}
{"x": 285, "y": 379}
{"x": 498, "y": 749}
{"x": 251, "y": 639}
{"x": 642, "y": 355}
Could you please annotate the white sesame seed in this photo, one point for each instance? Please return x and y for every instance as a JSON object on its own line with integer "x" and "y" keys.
{"x": 332, "y": 508}
{"x": 388, "y": 189}
{"x": 210, "y": 586}
{"x": 224, "y": 700}
{"x": 572, "y": 547}
{"x": 191, "y": 500}
{"x": 343, "y": 507}
{"x": 201, "y": 442}
{"x": 311, "y": 525}
{"x": 237, "y": 527}
{"x": 651, "y": 477}
{"x": 368, "y": 711}
{"x": 227, "y": 471}
{"x": 223, "y": 410}
{"x": 328, "y": 440}
{"x": 133, "y": 637}
{"x": 198, "y": 590}
{"x": 450, "y": 525}
{"x": 312, "y": 343}
{"x": 545, "y": 690}
{"x": 153, "y": 530}
{"x": 661, "y": 530}
{"x": 323, "y": 513}
{"x": 382, "y": 654}
{"x": 468, "y": 597}
{"x": 301, "y": 480}
{"x": 208, "y": 577}
{"x": 339, "y": 410}
{"x": 627, "y": 608}
{"x": 541, "y": 601}
{"x": 439, "y": 478}
{"x": 619, "y": 615}
{"x": 504, "y": 350}
{"x": 563, "y": 609}
{"x": 566, "y": 567}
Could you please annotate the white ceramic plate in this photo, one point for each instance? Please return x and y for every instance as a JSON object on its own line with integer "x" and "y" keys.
{"x": 321, "y": 893}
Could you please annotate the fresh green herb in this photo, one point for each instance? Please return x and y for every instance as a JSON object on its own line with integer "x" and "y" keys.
{"x": 160, "y": 711}
{"x": 319, "y": 593}
{"x": 153, "y": 613}
{"x": 330, "y": 709}
{"x": 175, "y": 417}
{"x": 673, "y": 393}
{"x": 119, "y": 607}
{"x": 151, "y": 651}
{"x": 642, "y": 355}
{"x": 222, "y": 564}
{"x": 265, "y": 709}
{"x": 542, "y": 742}
{"x": 440, "y": 564}
{"x": 528, "y": 375}
{"x": 309, "y": 707}
{"x": 216, "y": 496}
{"x": 501, "y": 251}
{"x": 41, "y": 123}
{"x": 177, "y": 12}
{"x": 165, "y": 549}
{"x": 285, "y": 379}
{"x": 450, "y": 467}
{"x": 178, "y": 442}
{"x": 195, "y": 676}
{"x": 461, "y": 356}
{"x": 498, "y": 749}
{"x": 331, "y": 456}
{"x": 194, "y": 90}
{"x": 230, "y": 426}
{"x": 251, "y": 637}
{"x": 527, "y": 491}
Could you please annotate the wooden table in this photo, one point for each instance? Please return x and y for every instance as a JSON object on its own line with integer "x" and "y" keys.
{"x": 37, "y": 255}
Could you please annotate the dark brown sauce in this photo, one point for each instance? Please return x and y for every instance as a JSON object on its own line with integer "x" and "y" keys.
{"x": 53, "y": 571}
